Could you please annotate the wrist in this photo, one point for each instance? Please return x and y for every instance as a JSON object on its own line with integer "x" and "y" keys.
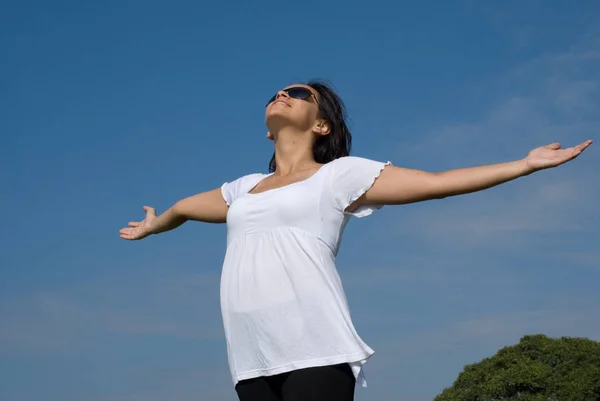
{"x": 524, "y": 167}
{"x": 152, "y": 228}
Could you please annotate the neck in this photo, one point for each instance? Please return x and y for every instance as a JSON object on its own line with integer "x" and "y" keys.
{"x": 293, "y": 151}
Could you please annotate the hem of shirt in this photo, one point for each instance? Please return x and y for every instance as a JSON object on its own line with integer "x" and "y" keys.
{"x": 361, "y": 356}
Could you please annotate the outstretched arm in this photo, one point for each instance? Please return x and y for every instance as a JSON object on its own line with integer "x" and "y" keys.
{"x": 208, "y": 207}
{"x": 398, "y": 185}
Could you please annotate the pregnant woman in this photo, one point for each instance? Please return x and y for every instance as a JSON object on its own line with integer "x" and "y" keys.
{"x": 287, "y": 325}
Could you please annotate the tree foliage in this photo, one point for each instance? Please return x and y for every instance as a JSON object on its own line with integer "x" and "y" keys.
{"x": 537, "y": 368}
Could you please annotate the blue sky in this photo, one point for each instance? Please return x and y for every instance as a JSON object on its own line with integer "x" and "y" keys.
{"x": 107, "y": 107}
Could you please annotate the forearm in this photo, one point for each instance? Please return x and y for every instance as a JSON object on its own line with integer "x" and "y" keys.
{"x": 168, "y": 220}
{"x": 207, "y": 206}
{"x": 467, "y": 180}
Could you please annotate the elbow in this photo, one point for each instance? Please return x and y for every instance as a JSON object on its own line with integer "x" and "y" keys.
{"x": 178, "y": 210}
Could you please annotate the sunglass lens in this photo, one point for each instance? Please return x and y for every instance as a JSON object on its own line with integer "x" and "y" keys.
{"x": 299, "y": 93}
{"x": 296, "y": 93}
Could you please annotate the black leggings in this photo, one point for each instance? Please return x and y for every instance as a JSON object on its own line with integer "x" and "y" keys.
{"x": 326, "y": 383}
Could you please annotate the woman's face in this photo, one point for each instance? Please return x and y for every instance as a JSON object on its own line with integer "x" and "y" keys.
{"x": 295, "y": 105}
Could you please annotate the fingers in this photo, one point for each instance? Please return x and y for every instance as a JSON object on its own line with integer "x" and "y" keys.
{"x": 582, "y": 146}
{"x": 572, "y": 153}
{"x": 576, "y": 150}
{"x": 128, "y": 233}
{"x": 134, "y": 229}
{"x": 150, "y": 210}
{"x": 125, "y": 233}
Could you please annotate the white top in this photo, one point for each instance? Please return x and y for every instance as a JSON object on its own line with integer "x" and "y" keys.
{"x": 282, "y": 299}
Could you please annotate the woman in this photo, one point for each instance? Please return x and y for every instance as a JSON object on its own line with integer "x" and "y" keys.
{"x": 287, "y": 325}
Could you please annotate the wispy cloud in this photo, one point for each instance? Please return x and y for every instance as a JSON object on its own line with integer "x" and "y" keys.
{"x": 504, "y": 217}
{"x": 206, "y": 384}
{"x": 493, "y": 332}
{"x": 589, "y": 258}
{"x": 552, "y": 98}
{"x": 548, "y": 98}
{"x": 59, "y": 322}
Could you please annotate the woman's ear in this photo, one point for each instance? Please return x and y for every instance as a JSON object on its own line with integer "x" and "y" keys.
{"x": 322, "y": 128}
{"x": 270, "y": 136}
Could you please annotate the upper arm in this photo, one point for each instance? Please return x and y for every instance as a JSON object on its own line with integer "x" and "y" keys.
{"x": 212, "y": 206}
{"x": 208, "y": 207}
{"x": 398, "y": 185}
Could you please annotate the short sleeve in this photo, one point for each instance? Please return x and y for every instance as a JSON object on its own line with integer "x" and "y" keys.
{"x": 351, "y": 177}
{"x": 232, "y": 190}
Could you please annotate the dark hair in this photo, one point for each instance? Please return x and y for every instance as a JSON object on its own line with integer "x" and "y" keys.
{"x": 338, "y": 142}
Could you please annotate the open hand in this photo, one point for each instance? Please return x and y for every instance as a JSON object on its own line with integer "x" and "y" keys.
{"x": 552, "y": 155}
{"x": 140, "y": 229}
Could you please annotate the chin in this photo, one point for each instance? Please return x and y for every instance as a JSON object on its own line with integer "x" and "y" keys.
{"x": 276, "y": 120}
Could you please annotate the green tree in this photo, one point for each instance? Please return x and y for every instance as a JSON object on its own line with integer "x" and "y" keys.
{"x": 537, "y": 368}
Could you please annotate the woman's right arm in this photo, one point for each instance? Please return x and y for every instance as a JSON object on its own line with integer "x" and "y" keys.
{"x": 208, "y": 207}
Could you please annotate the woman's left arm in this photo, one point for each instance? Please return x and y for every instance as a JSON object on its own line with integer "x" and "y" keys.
{"x": 398, "y": 185}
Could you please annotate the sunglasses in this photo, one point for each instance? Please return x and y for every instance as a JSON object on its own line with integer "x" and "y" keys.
{"x": 296, "y": 92}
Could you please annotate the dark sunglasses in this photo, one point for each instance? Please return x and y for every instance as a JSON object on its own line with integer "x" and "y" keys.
{"x": 296, "y": 92}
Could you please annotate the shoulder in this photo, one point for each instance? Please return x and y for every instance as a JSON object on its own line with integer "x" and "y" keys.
{"x": 347, "y": 160}
{"x": 355, "y": 164}
{"x": 350, "y": 178}
{"x": 231, "y": 190}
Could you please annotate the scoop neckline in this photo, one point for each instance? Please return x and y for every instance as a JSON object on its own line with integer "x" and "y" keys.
{"x": 284, "y": 186}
